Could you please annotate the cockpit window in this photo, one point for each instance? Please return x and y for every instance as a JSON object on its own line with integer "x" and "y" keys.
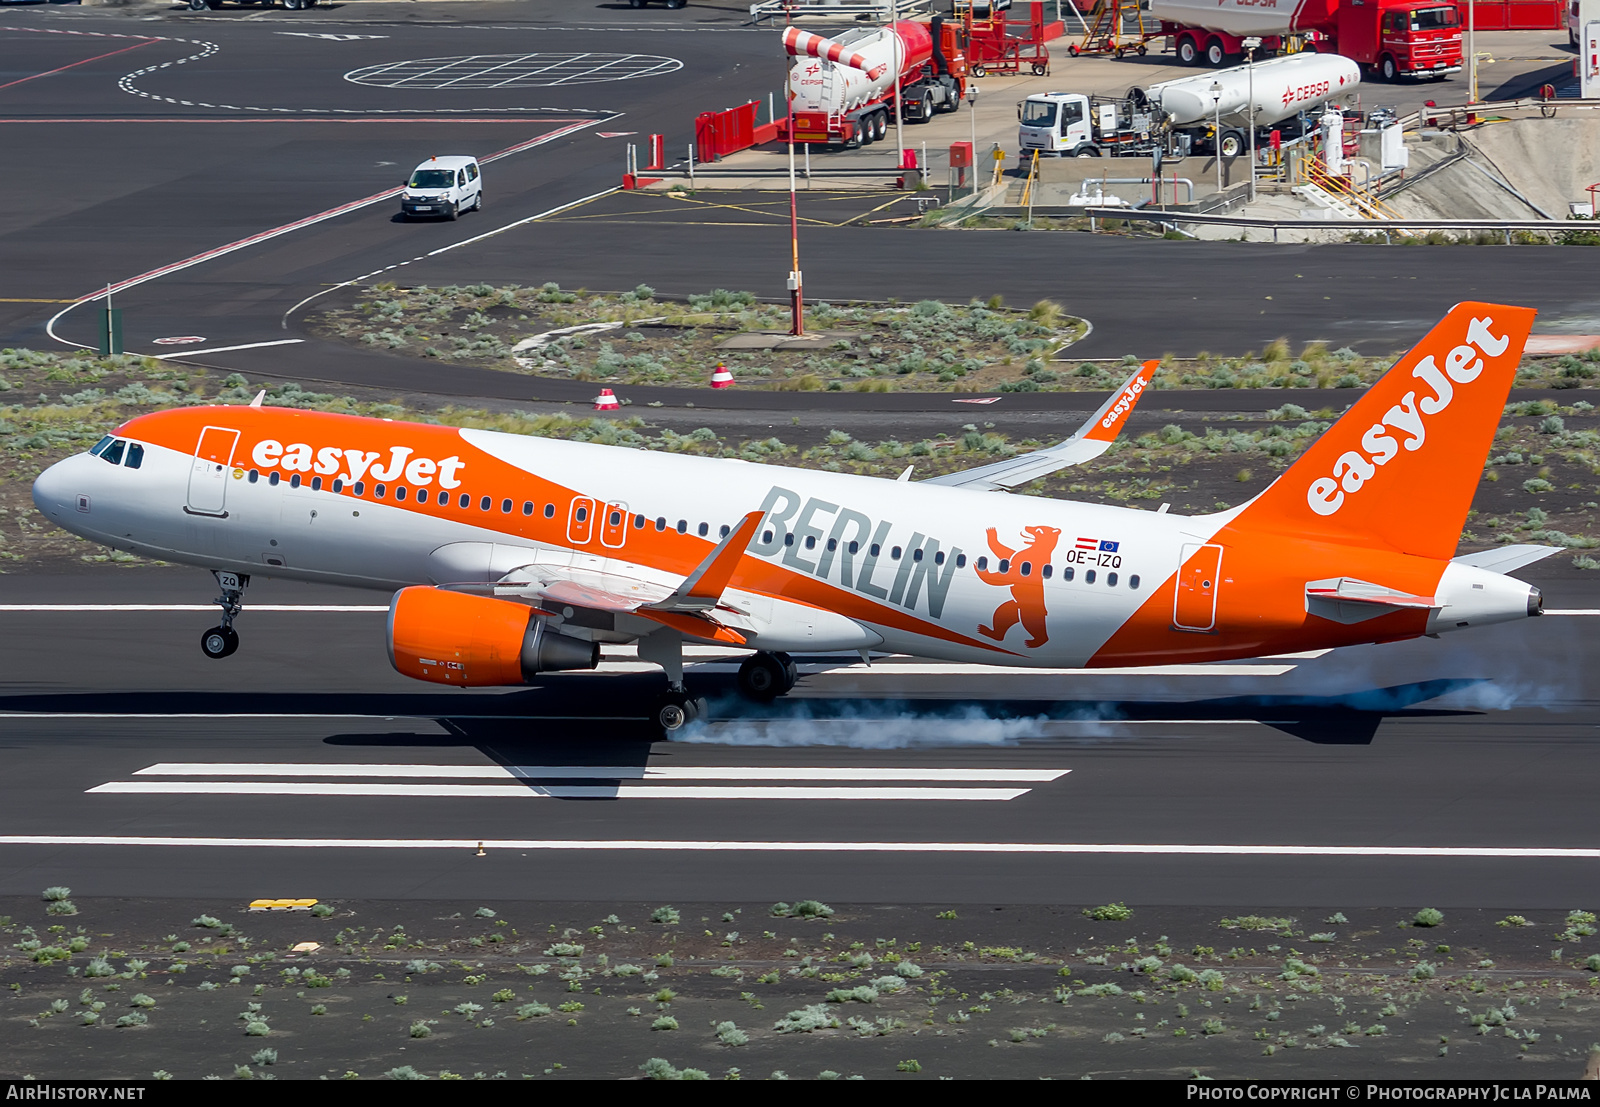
{"x": 101, "y": 445}
{"x": 113, "y": 452}
{"x": 135, "y": 456}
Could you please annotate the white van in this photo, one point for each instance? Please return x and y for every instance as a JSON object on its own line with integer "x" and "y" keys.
{"x": 444, "y": 186}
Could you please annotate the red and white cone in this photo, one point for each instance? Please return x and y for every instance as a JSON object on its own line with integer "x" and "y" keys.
{"x": 606, "y": 401}
{"x": 721, "y": 377}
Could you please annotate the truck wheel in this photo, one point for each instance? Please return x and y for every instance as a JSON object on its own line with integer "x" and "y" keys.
{"x": 1232, "y": 144}
{"x": 880, "y": 126}
{"x": 676, "y": 3}
{"x": 1388, "y": 69}
{"x": 1215, "y": 54}
{"x": 980, "y": 71}
{"x": 636, "y": 3}
{"x": 925, "y": 107}
{"x": 1188, "y": 51}
{"x": 1087, "y": 152}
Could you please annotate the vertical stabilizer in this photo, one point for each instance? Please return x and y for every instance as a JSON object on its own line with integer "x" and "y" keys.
{"x": 1399, "y": 470}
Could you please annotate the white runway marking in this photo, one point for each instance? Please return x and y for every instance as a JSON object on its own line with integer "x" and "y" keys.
{"x": 667, "y": 846}
{"x": 97, "y": 607}
{"x": 490, "y": 71}
{"x": 607, "y": 772}
{"x": 536, "y": 791}
{"x": 1575, "y": 611}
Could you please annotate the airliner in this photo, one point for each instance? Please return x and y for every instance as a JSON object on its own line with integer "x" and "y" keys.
{"x": 511, "y": 556}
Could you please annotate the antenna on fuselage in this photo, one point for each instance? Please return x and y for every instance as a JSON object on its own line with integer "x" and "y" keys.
{"x": 262, "y": 395}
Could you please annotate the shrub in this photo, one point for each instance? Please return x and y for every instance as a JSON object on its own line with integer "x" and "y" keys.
{"x": 1109, "y": 912}
{"x": 665, "y": 1022}
{"x": 133, "y": 1018}
{"x": 404, "y": 1072}
{"x": 667, "y": 916}
{"x": 815, "y": 1017}
{"x": 1428, "y": 916}
{"x": 730, "y": 1035}
{"x": 860, "y": 994}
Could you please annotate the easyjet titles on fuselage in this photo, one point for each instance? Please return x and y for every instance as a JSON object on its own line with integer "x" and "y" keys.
{"x": 299, "y": 457}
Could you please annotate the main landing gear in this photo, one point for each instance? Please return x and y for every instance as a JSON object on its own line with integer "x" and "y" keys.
{"x": 765, "y": 676}
{"x": 222, "y": 641}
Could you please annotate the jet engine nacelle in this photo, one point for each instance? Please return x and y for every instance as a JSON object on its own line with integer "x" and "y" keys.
{"x": 465, "y": 640}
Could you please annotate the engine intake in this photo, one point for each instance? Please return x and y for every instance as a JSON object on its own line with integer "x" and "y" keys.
{"x": 474, "y": 641}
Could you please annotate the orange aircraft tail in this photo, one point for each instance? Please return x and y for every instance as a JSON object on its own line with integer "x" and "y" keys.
{"x": 1399, "y": 469}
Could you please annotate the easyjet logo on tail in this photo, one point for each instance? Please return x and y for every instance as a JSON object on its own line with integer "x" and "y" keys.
{"x": 1354, "y": 468}
{"x": 1129, "y": 397}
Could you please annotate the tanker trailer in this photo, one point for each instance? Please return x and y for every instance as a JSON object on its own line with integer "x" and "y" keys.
{"x": 842, "y": 90}
{"x": 1183, "y": 114}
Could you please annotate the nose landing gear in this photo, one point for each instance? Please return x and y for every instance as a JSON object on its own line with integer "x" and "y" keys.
{"x": 222, "y": 641}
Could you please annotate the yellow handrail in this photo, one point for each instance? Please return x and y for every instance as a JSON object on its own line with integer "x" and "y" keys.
{"x": 1033, "y": 175}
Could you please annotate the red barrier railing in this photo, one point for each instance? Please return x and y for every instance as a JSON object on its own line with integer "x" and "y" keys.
{"x": 720, "y": 133}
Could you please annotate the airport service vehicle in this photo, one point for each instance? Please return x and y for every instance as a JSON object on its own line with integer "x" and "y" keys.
{"x": 842, "y": 90}
{"x": 1394, "y": 38}
{"x": 1181, "y": 115}
{"x": 444, "y": 186}
{"x": 510, "y": 557}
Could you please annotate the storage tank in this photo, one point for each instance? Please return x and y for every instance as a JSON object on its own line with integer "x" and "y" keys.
{"x": 1242, "y": 17}
{"x": 1283, "y": 88}
{"x": 865, "y": 69}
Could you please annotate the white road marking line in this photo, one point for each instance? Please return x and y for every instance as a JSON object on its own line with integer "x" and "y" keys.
{"x": 667, "y": 846}
{"x": 1574, "y": 611}
{"x": 605, "y": 772}
{"x": 535, "y": 791}
{"x": 226, "y": 349}
{"x": 619, "y": 668}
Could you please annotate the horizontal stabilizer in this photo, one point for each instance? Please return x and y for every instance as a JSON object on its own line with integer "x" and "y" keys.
{"x": 1347, "y": 600}
{"x": 1507, "y": 559}
{"x": 1087, "y": 442}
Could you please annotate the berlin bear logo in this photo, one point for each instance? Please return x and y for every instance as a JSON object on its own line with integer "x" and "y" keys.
{"x": 1026, "y": 605}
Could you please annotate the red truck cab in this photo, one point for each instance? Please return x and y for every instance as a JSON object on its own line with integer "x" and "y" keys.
{"x": 1400, "y": 39}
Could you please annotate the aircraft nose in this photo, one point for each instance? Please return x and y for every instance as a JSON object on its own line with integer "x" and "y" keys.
{"x": 54, "y": 490}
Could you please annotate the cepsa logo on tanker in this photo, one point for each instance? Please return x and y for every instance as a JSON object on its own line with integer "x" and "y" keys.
{"x": 1353, "y": 470}
{"x": 1315, "y": 91}
{"x": 298, "y": 457}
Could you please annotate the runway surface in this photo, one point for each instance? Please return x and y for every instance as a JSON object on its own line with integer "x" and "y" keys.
{"x": 1453, "y": 771}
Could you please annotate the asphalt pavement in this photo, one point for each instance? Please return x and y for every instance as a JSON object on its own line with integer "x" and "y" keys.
{"x": 1454, "y": 771}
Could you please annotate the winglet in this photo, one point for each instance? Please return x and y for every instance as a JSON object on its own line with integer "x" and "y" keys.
{"x": 1105, "y": 424}
{"x": 702, "y": 588}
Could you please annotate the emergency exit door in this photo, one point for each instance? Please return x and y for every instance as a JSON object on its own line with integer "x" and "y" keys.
{"x": 1195, "y": 606}
{"x": 208, "y": 476}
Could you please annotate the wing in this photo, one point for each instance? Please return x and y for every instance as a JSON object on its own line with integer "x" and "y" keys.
{"x": 1087, "y": 442}
{"x": 688, "y": 607}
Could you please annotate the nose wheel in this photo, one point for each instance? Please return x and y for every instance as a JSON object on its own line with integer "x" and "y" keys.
{"x": 219, "y": 642}
{"x": 765, "y": 676}
{"x": 222, "y": 640}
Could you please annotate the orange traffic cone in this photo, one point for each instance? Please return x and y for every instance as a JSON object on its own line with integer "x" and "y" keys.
{"x": 606, "y": 401}
{"x": 720, "y": 377}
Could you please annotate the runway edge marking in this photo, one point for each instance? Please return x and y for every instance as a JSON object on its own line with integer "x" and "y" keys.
{"x": 1440, "y": 852}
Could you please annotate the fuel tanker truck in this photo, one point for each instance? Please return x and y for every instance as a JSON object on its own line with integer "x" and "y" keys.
{"x": 1391, "y": 38}
{"x": 1183, "y": 115}
{"x": 842, "y": 90}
